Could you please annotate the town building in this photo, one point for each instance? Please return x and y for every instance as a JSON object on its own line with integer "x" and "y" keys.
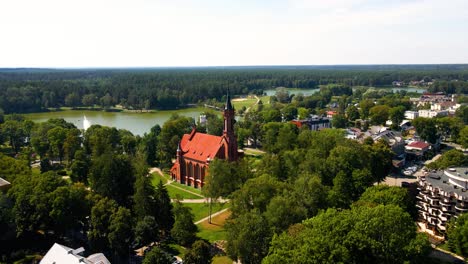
{"x": 442, "y": 196}
{"x": 411, "y": 115}
{"x": 59, "y": 254}
{"x": 314, "y": 122}
{"x": 432, "y": 113}
{"x": 196, "y": 150}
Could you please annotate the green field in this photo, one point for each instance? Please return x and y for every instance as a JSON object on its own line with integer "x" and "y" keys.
{"x": 176, "y": 193}
{"x": 214, "y": 231}
{"x": 202, "y": 210}
{"x": 247, "y": 102}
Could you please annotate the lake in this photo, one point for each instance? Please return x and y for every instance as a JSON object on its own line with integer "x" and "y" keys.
{"x": 137, "y": 123}
{"x": 308, "y": 92}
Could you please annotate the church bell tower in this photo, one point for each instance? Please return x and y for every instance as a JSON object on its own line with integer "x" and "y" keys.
{"x": 228, "y": 132}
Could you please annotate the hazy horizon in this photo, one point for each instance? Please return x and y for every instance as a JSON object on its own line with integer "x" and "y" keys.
{"x": 209, "y": 33}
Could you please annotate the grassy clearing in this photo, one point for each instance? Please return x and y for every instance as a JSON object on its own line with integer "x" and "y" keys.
{"x": 248, "y": 102}
{"x": 214, "y": 231}
{"x": 188, "y": 188}
{"x": 202, "y": 210}
{"x": 176, "y": 193}
{"x": 265, "y": 99}
{"x": 221, "y": 260}
{"x": 253, "y": 152}
{"x": 156, "y": 177}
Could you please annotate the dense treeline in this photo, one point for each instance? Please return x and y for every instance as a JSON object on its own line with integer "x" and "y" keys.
{"x": 107, "y": 204}
{"x": 31, "y": 90}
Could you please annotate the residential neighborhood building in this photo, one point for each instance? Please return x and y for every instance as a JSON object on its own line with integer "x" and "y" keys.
{"x": 196, "y": 150}
{"x": 432, "y": 113}
{"x": 442, "y": 196}
{"x": 60, "y": 254}
{"x": 411, "y": 115}
{"x": 416, "y": 149}
{"x": 314, "y": 122}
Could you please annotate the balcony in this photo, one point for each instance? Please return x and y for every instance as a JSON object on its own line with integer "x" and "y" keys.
{"x": 461, "y": 209}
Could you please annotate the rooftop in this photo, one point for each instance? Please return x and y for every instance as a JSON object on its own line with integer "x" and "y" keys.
{"x": 441, "y": 180}
{"x": 4, "y": 182}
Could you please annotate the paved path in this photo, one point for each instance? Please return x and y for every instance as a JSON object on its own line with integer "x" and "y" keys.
{"x": 212, "y": 215}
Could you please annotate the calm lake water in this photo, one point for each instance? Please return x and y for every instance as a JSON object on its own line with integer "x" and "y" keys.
{"x": 308, "y": 92}
{"x": 137, "y": 123}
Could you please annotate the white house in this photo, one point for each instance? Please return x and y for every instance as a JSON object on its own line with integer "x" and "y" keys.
{"x": 59, "y": 254}
{"x": 432, "y": 113}
{"x": 411, "y": 114}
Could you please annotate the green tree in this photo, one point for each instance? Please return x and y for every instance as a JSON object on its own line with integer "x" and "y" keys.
{"x": 352, "y": 113}
{"x": 463, "y": 138}
{"x": 248, "y": 237}
{"x": 72, "y": 143}
{"x": 15, "y": 133}
{"x": 397, "y": 115}
{"x": 157, "y": 256}
{"x": 56, "y": 136}
{"x": 112, "y": 176}
{"x": 89, "y": 99}
{"x": 365, "y": 106}
{"x": 72, "y": 100}
{"x": 170, "y": 136}
{"x": 457, "y": 233}
{"x": 165, "y": 214}
{"x": 101, "y": 214}
{"x": 80, "y": 167}
{"x": 144, "y": 203}
{"x": 32, "y": 201}
{"x": 146, "y": 231}
{"x": 69, "y": 207}
{"x": 120, "y": 231}
{"x": 199, "y": 253}
{"x": 453, "y": 157}
{"x": 283, "y": 211}
{"x": 184, "y": 230}
{"x": 339, "y": 121}
{"x": 386, "y": 195}
{"x": 426, "y": 129}
{"x": 379, "y": 114}
{"x": 381, "y": 234}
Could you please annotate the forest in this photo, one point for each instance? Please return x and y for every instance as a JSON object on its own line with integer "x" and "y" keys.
{"x": 310, "y": 197}
{"x": 34, "y": 90}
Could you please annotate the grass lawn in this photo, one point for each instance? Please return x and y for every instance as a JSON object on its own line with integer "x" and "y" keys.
{"x": 265, "y": 99}
{"x": 188, "y": 188}
{"x": 214, "y": 231}
{"x": 202, "y": 210}
{"x": 221, "y": 260}
{"x": 247, "y": 102}
{"x": 253, "y": 152}
{"x": 180, "y": 194}
{"x": 156, "y": 177}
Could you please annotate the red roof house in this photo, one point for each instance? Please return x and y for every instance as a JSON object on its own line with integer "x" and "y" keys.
{"x": 418, "y": 146}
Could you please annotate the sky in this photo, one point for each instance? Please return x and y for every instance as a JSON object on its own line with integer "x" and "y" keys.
{"x": 157, "y": 33}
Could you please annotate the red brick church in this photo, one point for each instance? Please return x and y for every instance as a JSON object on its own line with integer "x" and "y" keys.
{"x": 196, "y": 150}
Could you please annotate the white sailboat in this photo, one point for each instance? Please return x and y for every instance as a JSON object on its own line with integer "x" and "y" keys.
{"x": 86, "y": 123}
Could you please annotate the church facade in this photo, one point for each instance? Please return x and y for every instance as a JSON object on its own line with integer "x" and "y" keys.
{"x": 196, "y": 150}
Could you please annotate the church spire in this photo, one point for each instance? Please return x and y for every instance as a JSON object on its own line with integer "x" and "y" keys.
{"x": 228, "y": 102}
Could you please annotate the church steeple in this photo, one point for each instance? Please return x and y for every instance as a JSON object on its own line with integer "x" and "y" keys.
{"x": 228, "y": 105}
{"x": 228, "y": 131}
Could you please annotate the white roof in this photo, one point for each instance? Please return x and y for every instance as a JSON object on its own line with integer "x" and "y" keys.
{"x": 59, "y": 254}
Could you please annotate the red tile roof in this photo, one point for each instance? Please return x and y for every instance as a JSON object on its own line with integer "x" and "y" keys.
{"x": 419, "y": 145}
{"x": 199, "y": 146}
